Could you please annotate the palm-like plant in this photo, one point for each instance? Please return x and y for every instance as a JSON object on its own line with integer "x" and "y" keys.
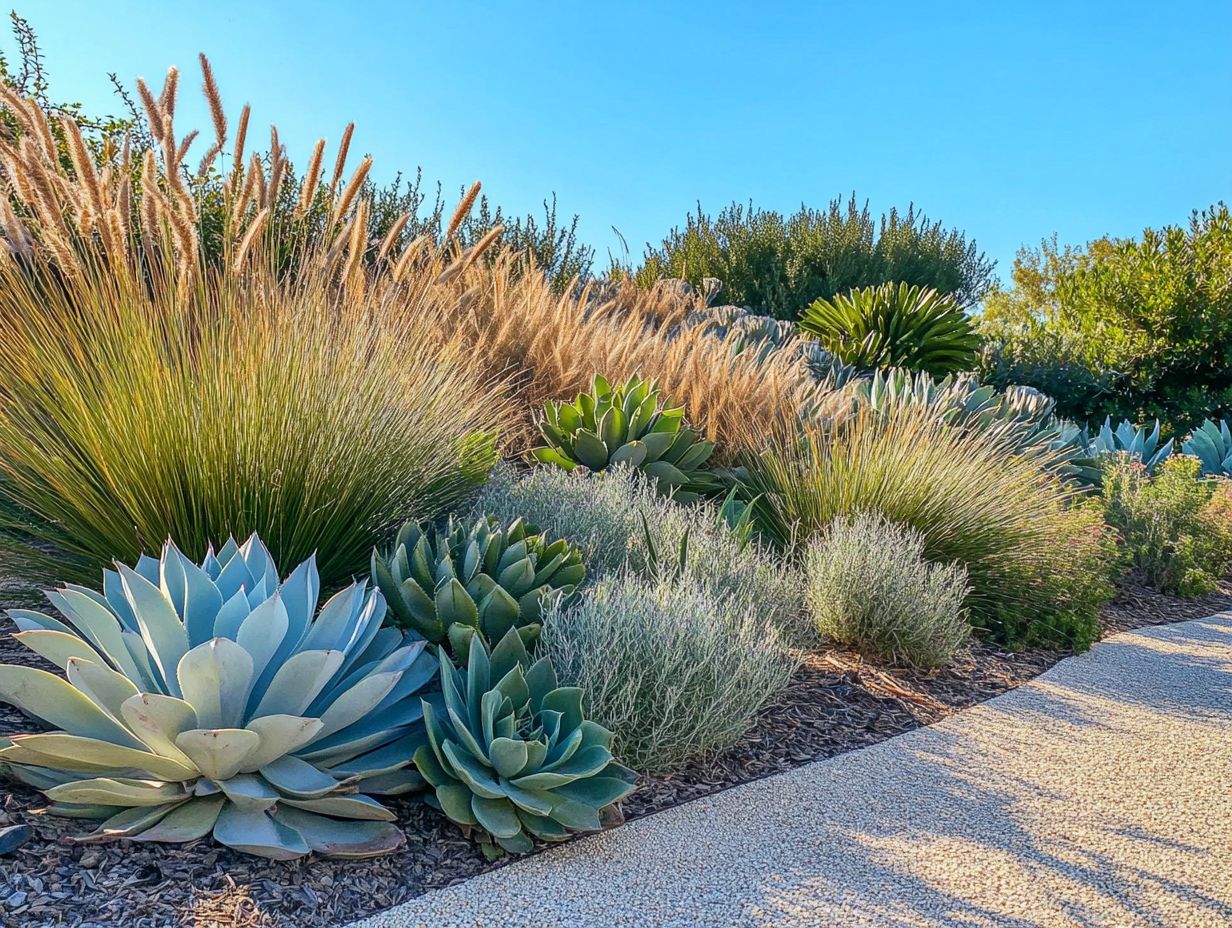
{"x": 895, "y": 325}
{"x": 208, "y": 699}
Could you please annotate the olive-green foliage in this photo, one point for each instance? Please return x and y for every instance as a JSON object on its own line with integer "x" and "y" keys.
{"x": 474, "y": 577}
{"x": 1001, "y": 516}
{"x": 1176, "y": 529}
{"x": 604, "y": 517}
{"x": 870, "y": 586}
{"x": 627, "y": 424}
{"x": 675, "y": 670}
{"x": 511, "y": 756}
{"x": 1128, "y": 328}
{"x": 777, "y": 264}
{"x": 894, "y": 325}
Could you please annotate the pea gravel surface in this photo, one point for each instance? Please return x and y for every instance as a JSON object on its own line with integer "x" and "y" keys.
{"x": 1096, "y": 796}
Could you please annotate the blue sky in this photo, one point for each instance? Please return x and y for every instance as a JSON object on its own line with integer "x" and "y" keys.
{"x": 1010, "y": 120}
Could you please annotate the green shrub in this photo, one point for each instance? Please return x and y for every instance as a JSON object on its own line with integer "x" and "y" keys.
{"x": 777, "y": 265}
{"x": 673, "y": 670}
{"x": 604, "y": 517}
{"x": 1176, "y": 529}
{"x": 997, "y": 514}
{"x": 214, "y": 699}
{"x": 870, "y": 586}
{"x": 1142, "y": 326}
{"x": 894, "y": 325}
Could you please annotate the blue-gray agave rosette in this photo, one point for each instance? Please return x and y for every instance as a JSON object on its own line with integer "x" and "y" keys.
{"x": 209, "y": 699}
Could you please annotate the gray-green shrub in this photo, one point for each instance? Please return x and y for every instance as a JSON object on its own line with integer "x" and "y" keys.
{"x": 870, "y": 586}
{"x": 675, "y": 671}
{"x": 603, "y": 515}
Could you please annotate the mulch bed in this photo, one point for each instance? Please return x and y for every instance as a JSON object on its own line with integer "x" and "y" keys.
{"x": 835, "y": 703}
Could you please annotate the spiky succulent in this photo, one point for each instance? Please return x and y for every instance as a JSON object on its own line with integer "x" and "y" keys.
{"x": 1211, "y": 444}
{"x": 1136, "y": 441}
{"x": 474, "y": 577}
{"x": 208, "y": 699}
{"x": 895, "y": 325}
{"x": 628, "y": 425}
{"x": 510, "y": 756}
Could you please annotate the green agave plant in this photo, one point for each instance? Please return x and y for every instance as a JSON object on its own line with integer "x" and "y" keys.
{"x": 476, "y": 578}
{"x": 208, "y": 699}
{"x": 510, "y": 757}
{"x": 895, "y": 325}
{"x": 627, "y": 425}
{"x": 1211, "y": 444}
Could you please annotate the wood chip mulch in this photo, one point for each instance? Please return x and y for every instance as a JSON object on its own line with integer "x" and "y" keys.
{"x": 837, "y": 702}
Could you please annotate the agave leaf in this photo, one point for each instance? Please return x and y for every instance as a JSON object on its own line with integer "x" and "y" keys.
{"x": 58, "y": 647}
{"x": 55, "y": 701}
{"x": 299, "y": 779}
{"x": 192, "y": 593}
{"x": 498, "y": 816}
{"x": 454, "y": 605}
{"x": 298, "y": 682}
{"x": 129, "y": 822}
{"x": 187, "y": 822}
{"x": 262, "y": 632}
{"x": 60, "y": 749}
{"x": 257, "y": 833}
{"x": 158, "y": 720}
{"x": 350, "y": 807}
{"x": 473, "y": 773}
{"x": 330, "y": 838}
{"x": 219, "y": 753}
{"x": 355, "y": 703}
{"x": 118, "y": 791}
{"x": 98, "y": 625}
{"x": 508, "y": 756}
{"x": 280, "y": 735}
{"x": 164, "y": 634}
{"x": 214, "y": 678}
{"x": 249, "y": 792}
{"x": 101, "y": 685}
{"x": 590, "y": 450}
{"x": 596, "y": 792}
{"x": 554, "y": 457}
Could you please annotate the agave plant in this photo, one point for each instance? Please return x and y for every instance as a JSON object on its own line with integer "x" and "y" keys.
{"x": 511, "y": 758}
{"x": 1136, "y": 441}
{"x": 208, "y": 699}
{"x": 627, "y": 425}
{"x": 1211, "y": 444}
{"x": 476, "y": 578}
{"x": 895, "y": 325}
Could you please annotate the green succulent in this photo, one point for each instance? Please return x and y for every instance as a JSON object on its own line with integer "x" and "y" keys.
{"x": 209, "y": 699}
{"x": 1138, "y": 442}
{"x": 475, "y": 577}
{"x": 510, "y": 757}
{"x": 895, "y": 325}
{"x": 627, "y": 425}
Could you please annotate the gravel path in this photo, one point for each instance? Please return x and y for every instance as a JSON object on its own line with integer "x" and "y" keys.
{"x": 1095, "y": 796}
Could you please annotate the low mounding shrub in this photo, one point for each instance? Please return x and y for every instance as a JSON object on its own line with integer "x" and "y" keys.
{"x": 895, "y": 325}
{"x": 604, "y": 517}
{"x": 512, "y": 756}
{"x": 214, "y": 699}
{"x": 1176, "y": 529}
{"x": 998, "y": 515}
{"x": 674, "y": 671}
{"x": 869, "y": 586}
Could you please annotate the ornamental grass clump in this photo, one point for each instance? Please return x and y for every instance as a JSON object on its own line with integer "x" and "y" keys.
{"x": 320, "y": 397}
{"x": 1002, "y": 517}
{"x": 477, "y": 577}
{"x": 870, "y": 586}
{"x": 511, "y": 757}
{"x": 215, "y": 699}
{"x": 675, "y": 671}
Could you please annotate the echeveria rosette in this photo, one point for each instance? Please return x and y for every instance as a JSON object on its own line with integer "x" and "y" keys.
{"x": 475, "y": 577}
{"x": 627, "y": 425}
{"x": 510, "y": 756}
{"x": 208, "y": 699}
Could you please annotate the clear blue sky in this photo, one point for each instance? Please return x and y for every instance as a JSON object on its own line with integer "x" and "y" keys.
{"x": 1011, "y": 120}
